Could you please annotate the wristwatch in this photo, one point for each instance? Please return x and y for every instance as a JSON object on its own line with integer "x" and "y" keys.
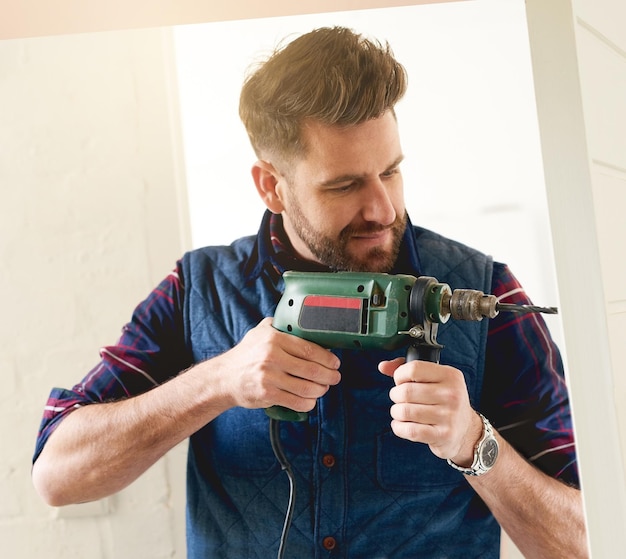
{"x": 485, "y": 452}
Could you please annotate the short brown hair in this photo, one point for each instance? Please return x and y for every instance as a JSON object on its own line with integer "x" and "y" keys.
{"x": 331, "y": 75}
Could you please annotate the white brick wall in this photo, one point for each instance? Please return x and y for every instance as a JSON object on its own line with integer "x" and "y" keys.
{"x": 88, "y": 225}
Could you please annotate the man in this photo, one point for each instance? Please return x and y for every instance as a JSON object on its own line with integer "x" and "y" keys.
{"x": 377, "y": 463}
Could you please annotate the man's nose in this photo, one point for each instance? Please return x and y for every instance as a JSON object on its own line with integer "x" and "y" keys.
{"x": 377, "y": 204}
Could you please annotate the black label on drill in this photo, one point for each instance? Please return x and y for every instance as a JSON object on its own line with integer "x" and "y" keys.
{"x": 331, "y": 314}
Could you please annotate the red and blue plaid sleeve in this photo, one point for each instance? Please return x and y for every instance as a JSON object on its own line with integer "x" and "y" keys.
{"x": 524, "y": 394}
{"x": 150, "y": 351}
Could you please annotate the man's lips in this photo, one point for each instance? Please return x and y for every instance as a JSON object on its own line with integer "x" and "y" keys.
{"x": 380, "y": 235}
{"x": 369, "y": 231}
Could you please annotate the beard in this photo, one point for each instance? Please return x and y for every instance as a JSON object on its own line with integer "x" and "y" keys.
{"x": 335, "y": 252}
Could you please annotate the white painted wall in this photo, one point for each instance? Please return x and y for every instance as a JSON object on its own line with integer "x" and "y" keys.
{"x": 88, "y": 225}
{"x": 579, "y": 60}
{"x": 601, "y": 48}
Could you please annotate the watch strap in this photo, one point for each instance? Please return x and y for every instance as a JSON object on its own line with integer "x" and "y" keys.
{"x": 478, "y": 467}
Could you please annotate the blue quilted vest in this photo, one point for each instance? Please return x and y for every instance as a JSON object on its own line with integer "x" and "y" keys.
{"x": 362, "y": 492}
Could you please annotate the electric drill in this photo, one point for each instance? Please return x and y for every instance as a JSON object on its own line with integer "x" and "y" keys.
{"x": 363, "y": 310}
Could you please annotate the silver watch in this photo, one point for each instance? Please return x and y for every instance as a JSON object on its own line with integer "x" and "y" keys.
{"x": 485, "y": 452}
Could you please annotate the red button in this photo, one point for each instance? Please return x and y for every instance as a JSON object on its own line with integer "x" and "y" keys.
{"x": 329, "y": 543}
{"x": 328, "y": 460}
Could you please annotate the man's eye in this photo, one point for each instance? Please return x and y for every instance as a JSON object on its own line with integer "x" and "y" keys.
{"x": 344, "y": 187}
{"x": 390, "y": 172}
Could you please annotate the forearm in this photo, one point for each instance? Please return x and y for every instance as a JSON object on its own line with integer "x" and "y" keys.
{"x": 99, "y": 449}
{"x": 543, "y": 516}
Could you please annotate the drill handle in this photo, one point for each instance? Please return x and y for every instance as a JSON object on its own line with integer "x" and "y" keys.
{"x": 424, "y": 352}
{"x": 281, "y": 413}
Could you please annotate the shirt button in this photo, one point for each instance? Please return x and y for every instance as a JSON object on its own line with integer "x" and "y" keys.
{"x": 329, "y": 543}
{"x": 328, "y": 460}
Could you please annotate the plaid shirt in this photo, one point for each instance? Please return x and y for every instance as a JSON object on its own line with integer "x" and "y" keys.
{"x": 524, "y": 391}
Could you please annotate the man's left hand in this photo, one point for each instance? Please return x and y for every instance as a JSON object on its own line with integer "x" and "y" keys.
{"x": 431, "y": 406}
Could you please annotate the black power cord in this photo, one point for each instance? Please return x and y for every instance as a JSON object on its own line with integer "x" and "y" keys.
{"x": 286, "y": 467}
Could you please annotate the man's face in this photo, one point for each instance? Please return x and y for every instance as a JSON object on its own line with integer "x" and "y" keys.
{"x": 343, "y": 202}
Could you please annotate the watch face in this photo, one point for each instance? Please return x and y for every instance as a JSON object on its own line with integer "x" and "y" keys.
{"x": 489, "y": 453}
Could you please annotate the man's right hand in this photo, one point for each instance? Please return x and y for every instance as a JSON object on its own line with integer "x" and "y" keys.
{"x": 269, "y": 367}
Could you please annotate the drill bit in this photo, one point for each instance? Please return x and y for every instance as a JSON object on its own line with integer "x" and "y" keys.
{"x": 510, "y": 307}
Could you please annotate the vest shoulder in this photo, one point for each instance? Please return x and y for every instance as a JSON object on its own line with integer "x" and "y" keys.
{"x": 452, "y": 261}
{"x": 430, "y": 240}
{"x": 237, "y": 252}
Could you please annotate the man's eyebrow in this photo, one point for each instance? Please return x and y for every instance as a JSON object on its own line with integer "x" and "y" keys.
{"x": 397, "y": 162}
{"x": 351, "y": 177}
{"x": 340, "y": 179}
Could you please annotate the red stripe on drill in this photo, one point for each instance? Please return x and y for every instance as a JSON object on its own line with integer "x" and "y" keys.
{"x": 332, "y": 302}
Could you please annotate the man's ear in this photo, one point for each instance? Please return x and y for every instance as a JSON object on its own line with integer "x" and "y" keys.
{"x": 266, "y": 179}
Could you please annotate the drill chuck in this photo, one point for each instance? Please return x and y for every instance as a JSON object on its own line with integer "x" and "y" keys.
{"x": 469, "y": 304}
